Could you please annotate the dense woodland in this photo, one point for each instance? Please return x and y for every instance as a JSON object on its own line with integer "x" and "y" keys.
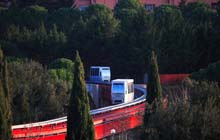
{"x": 40, "y": 42}
{"x": 186, "y": 38}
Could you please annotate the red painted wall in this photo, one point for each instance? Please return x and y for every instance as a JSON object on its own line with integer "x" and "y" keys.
{"x": 172, "y": 78}
{"x": 120, "y": 120}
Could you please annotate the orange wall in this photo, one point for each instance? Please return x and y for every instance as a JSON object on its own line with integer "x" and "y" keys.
{"x": 79, "y": 3}
{"x": 155, "y": 2}
{"x": 110, "y": 3}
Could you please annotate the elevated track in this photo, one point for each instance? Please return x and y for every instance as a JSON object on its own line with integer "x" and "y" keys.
{"x": 119, "y": 118}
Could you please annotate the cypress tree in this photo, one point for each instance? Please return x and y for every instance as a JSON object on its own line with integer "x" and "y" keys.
{"x": 5, "y": 108}
{"x": 154, "y": 92}
{"x": 154, "y": 89}
{"x": 2, "y": 116}
{"x": 79, "y": 121}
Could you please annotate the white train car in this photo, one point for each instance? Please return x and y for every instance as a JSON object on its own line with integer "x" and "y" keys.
{"x": 122, "y": 91}
{"x": 100, "y": 74}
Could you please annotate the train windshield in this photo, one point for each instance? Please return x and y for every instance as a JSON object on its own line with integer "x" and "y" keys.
{"x": 105, "y": 72}
{"x": 118, "y": 88}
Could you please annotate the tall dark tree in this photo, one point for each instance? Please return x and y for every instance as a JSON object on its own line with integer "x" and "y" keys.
{"x": 79, "y": 121}
{"x": 5, "y": 108}
{"x": 127, "y": 4}
{"x": 154, "y": 90}
{"x": 169, "y": 21}
{"x": 132, "y": 38}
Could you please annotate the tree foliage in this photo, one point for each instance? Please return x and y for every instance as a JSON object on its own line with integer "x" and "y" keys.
{"x": 188, "y": 34}
{"x": 127, "y": 4}
{"x": 79, "y": 120}
{"x": 193, "y": 114}
{"x": 62, "y": 63}
{"x": 35, "y": 95}
{"x": 61, "y": 70}
{"x": 5, "y": 107}
{"x": 154, "y": 90}
{"x": 64, "y": 18}
{"x": 135, "y": 24}
{"x": 36, "y": 43}
{"x": 211, "y": 73}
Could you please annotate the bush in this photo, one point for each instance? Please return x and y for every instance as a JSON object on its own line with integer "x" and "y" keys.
{"x": 211, "y": 73}
{"x": 62, "y": 63}
{"x": 61, "y": 71}
{"x": 34, "y": 95}
{"x": 194, "y": 118}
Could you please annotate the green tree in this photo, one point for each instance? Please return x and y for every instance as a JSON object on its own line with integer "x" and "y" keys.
{"x": 41, "y": 36}
{"x": 35, "y": 95}
{"x": 206, "y": 32}
{"x": 39, "y": 44}
{"x": 169, "y": 21}
{"x": 132, "y": 38}
{"x": 126, "y": 10}
{"x": 64, "y": 18}
{"x": 211, "y": 73}
{"x": 62, "y": 63}
{"x": 79, "y": 120}
{"x": 93, "y": 33}
{"x": 154, "y": 90}
{"x": 33, "y": 16}
{"x": 13, "y": 33}
{"x": 127, "y": 4}
{"x": 99, "y": 38}
{"x": 5, "y": 108}
{"x": 61, "y": 70}
{"x": 194, "y": 116}
{"x": 102, "y": 17}
{"x": 197, "y": 12}
{"x": 2, "y": 106}
{"x": 2, "y": 119}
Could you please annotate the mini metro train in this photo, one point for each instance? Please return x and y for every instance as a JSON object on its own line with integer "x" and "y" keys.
{"x": 122, "y": 90}
{"x": 98, "y": 74}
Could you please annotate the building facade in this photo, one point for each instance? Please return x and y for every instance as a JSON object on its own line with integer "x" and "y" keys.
{"x": 149, "y": 4}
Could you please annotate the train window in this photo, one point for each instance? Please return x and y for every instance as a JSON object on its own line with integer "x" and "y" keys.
{"x": 95, "y": 72}
{"x": 105, "y": 72}
{"x": 130, "y": 87}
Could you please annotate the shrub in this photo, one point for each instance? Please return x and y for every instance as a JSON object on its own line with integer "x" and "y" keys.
{"x": 211, "y": 73}
{"x": 193, "y": 118}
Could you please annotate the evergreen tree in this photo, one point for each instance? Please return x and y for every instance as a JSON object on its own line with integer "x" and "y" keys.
{"x": 79, "y": 121}
{"x": 128, "y": 4}
{"x": 41, "y": 36}
{"x": 25, "y": 109}
{"x": 5, "y": 108}
{"x": 154, "y": 93}
{"x": 2, "y": 120}
{"x": 154, "y": 89}
{"x": 2, "y": 116}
